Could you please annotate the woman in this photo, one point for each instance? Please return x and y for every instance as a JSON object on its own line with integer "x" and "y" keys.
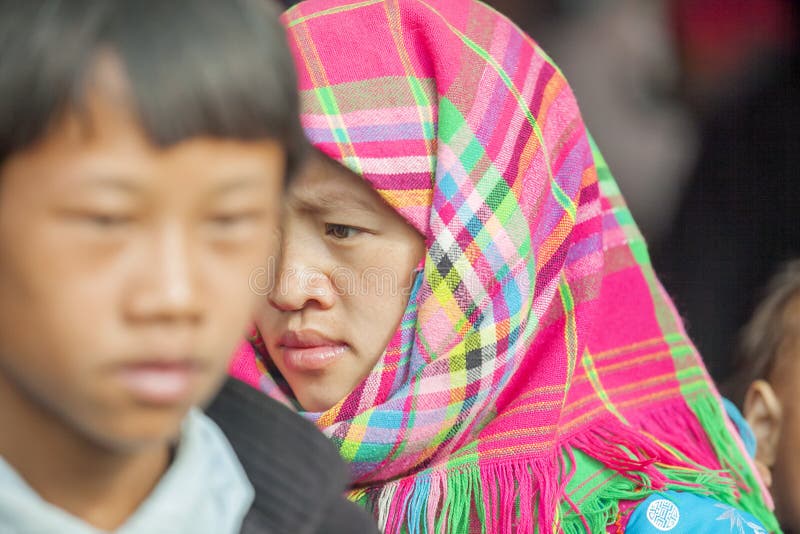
{"x": 539, "y": 378}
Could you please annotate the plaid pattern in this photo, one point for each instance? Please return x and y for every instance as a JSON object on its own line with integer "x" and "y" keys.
{"x": 538, "y": 343}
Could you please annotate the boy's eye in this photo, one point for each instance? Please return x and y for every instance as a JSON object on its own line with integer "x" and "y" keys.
{"x": 340, "y": 231}
{"x": 106, "y": 220}
{"x": 225, "y": 220}
{"x": 228, "y": 219}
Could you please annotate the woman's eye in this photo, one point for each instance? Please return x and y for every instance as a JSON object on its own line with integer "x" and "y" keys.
{"x": 341, "y": 231}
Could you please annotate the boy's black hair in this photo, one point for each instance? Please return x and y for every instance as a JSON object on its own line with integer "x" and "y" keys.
{"x": 767, "y": 333}
{"x": 219, "y": 68}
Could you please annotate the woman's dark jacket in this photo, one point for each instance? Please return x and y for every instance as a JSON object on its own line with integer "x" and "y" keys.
{"x": 298, "y": 476}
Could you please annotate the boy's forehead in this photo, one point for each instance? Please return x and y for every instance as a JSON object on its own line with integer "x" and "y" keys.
{"x": 105, "y": 105}
{"x": 107, "y": 74}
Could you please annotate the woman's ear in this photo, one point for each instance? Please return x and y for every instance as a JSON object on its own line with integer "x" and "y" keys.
{"x": 764, "y": 414}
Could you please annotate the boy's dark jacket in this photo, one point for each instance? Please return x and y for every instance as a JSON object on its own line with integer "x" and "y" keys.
{"x": 298, "y": 477}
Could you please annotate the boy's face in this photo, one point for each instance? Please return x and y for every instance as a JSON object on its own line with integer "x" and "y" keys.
{"x": 124, "y": 268}
{"x": 342, "y": 284}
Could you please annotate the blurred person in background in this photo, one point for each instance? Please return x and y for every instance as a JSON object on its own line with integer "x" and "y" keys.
{"x": 765, "y": 383}
{"x": 144, "y": 149}
{"x": 729, "y": 48}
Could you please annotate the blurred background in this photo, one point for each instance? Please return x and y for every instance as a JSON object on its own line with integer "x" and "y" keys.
{"x": 696, "y": 106}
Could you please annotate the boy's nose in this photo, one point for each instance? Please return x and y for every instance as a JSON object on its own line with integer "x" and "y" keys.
{"x": 168, "y": 289}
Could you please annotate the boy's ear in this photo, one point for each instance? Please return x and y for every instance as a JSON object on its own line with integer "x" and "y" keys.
{"x": 764, "y": 414}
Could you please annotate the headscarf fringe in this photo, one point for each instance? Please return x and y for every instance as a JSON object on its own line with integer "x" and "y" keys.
{"x": 453, "y": 501}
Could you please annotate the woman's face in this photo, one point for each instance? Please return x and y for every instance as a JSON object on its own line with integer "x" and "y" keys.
{"x": 341, "y": 285}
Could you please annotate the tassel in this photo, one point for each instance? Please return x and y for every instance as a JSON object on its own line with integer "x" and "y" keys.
{"x": 532, "y": 495}
{"x": 677, "y": 429}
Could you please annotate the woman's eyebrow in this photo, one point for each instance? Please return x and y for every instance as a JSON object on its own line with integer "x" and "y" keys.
{"x": 329, "y": 201}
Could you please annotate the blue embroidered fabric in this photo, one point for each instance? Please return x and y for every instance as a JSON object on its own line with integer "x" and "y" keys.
{"x": 676, "y": 512}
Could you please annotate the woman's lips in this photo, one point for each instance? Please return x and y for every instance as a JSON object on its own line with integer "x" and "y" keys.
{"x": 308, "y": 350}
{"x": 159, "y": 383}
{"x": 312, "y": 358}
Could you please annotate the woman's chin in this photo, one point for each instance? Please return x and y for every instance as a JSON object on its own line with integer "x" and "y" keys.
{"x": 317, "y": 404}
{"x": 318, "y": 399}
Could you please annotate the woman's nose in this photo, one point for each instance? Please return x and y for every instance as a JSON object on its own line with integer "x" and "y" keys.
{"x": 301, "y": 280}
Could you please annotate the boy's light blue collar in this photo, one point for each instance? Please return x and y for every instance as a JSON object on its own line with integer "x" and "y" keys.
{"x": 204, "y": 491}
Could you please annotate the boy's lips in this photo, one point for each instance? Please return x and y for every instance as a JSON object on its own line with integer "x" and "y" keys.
{"x": 160, "y": 381}
{"x": 308, "y": 350}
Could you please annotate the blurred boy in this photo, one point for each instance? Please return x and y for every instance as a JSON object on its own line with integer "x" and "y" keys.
{"x": 767, "y": 385}
{"x": 144, "y": 148}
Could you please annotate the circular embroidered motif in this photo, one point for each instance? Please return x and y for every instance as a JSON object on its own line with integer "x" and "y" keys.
{"x": 663, "y": 514}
